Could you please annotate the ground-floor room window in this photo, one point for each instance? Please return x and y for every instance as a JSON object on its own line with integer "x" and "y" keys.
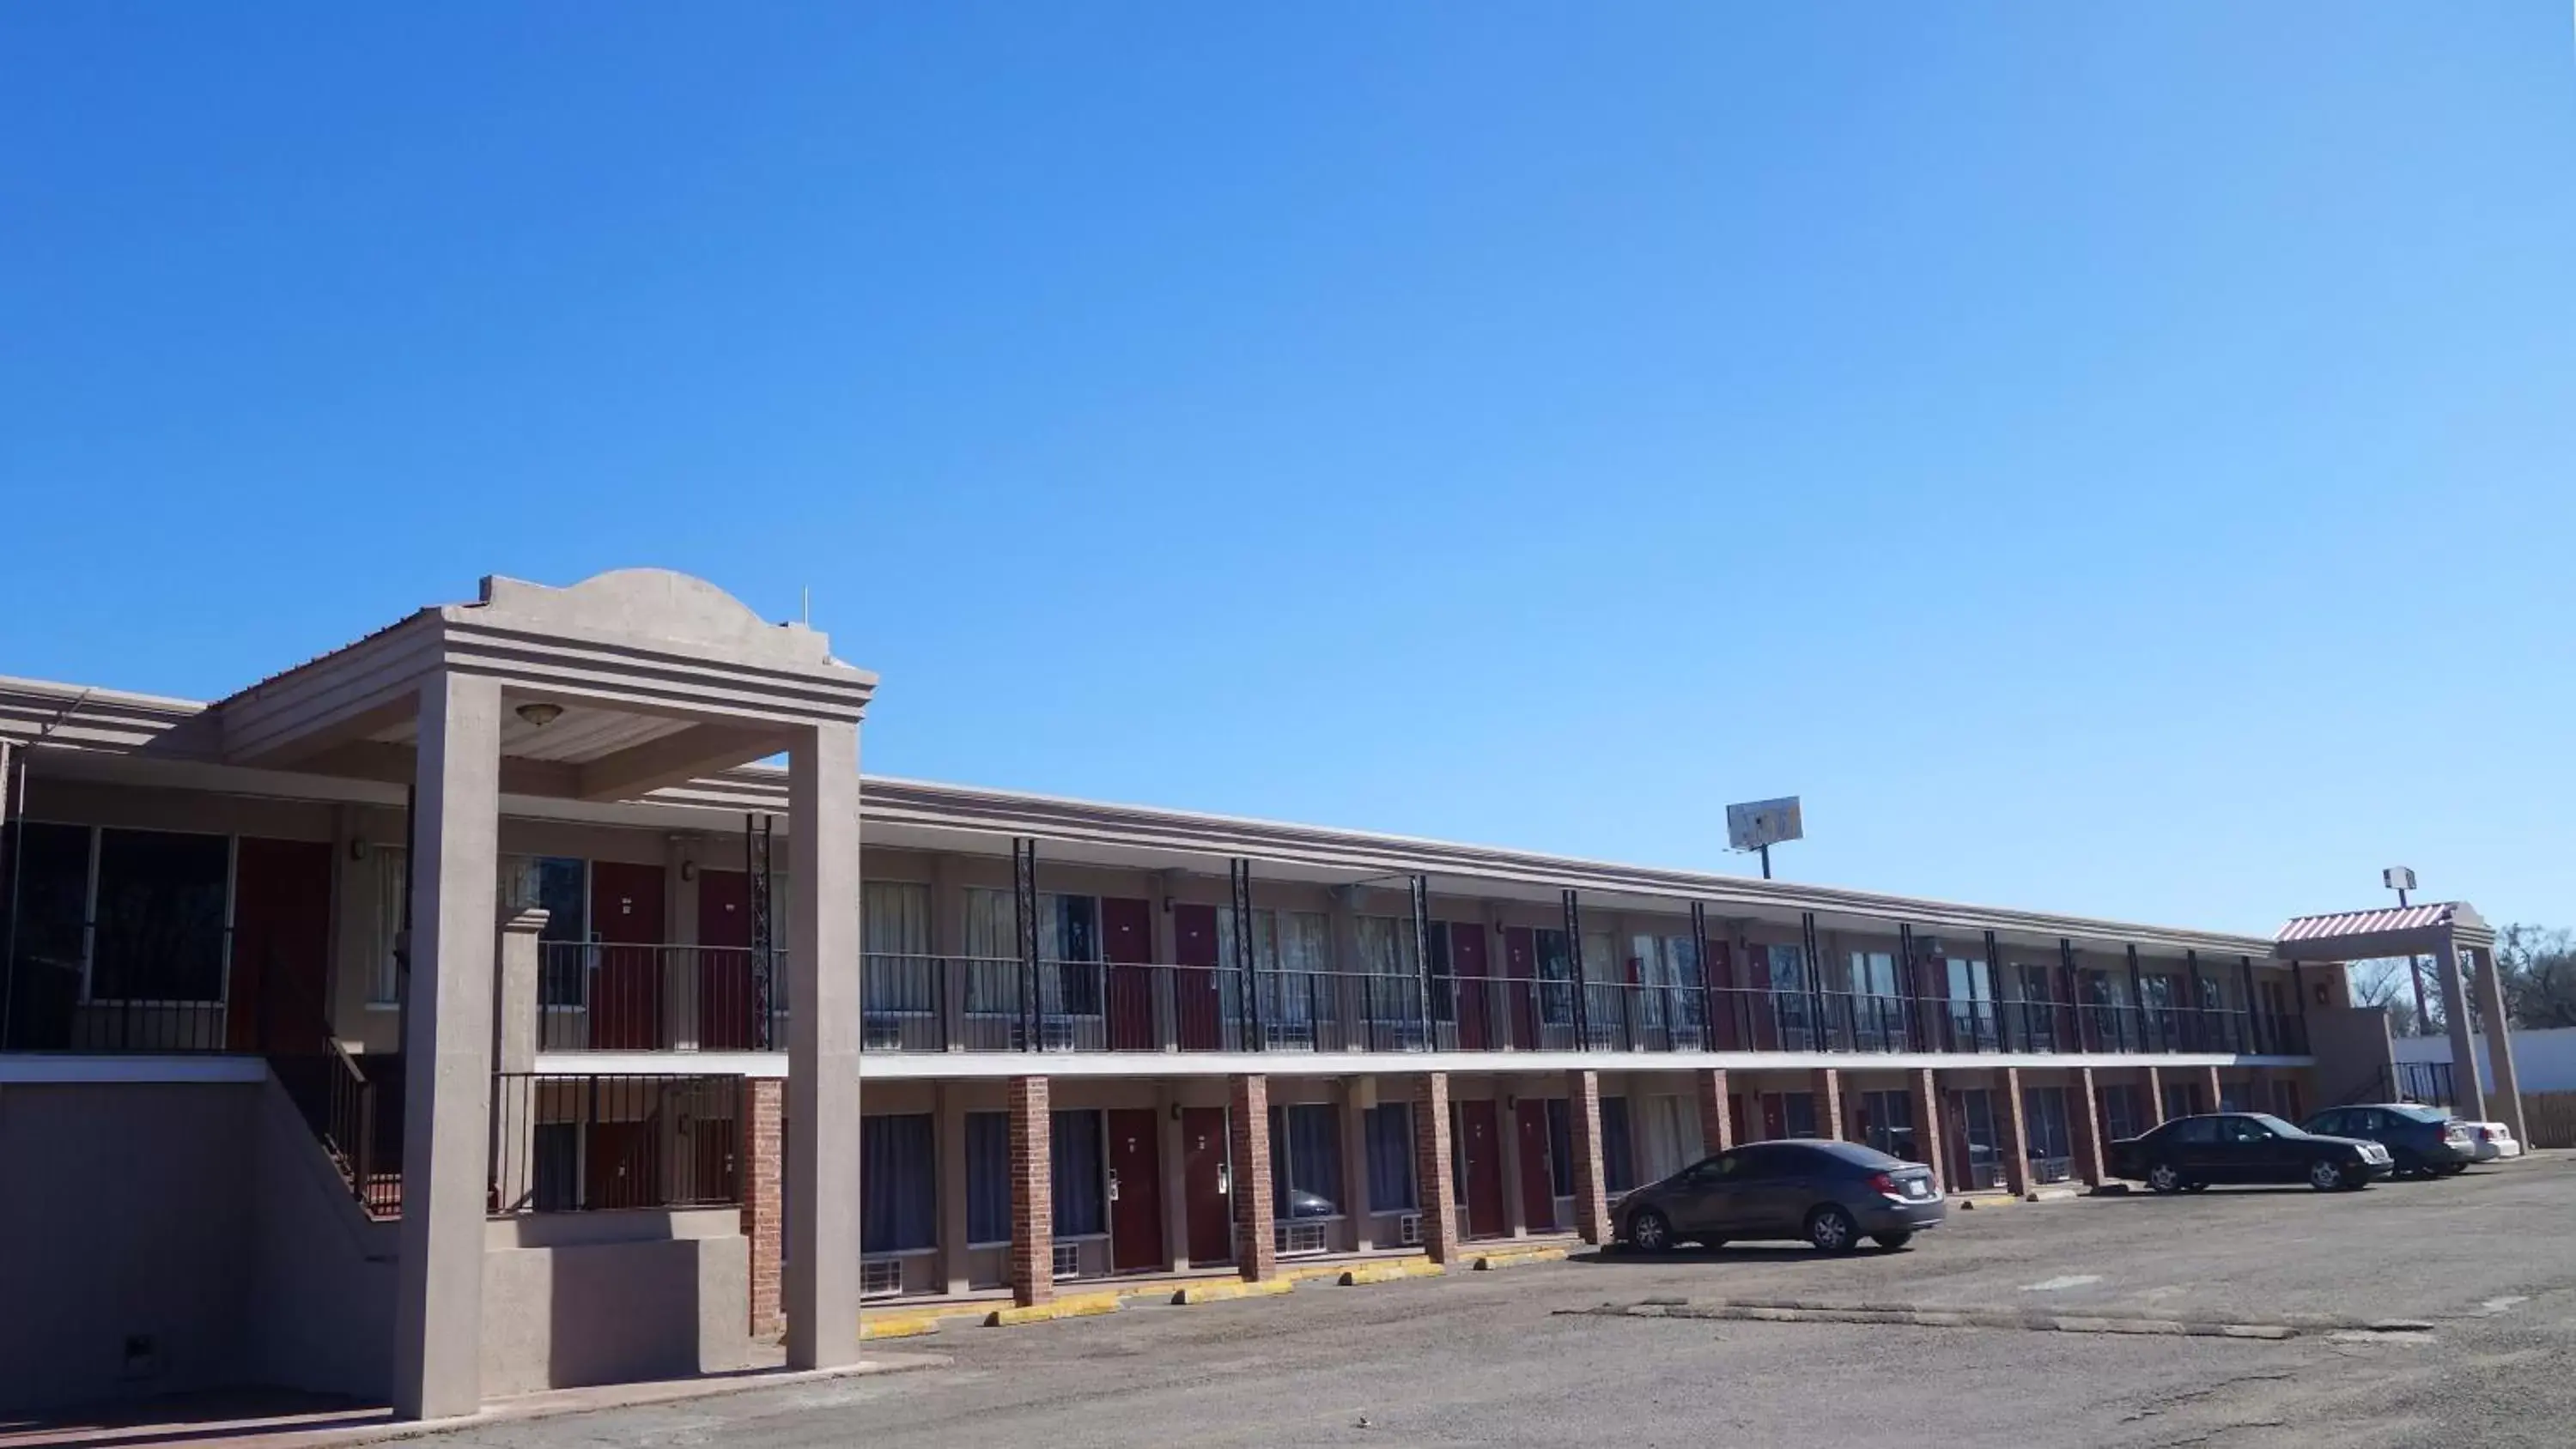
{"x": 2178, "y": 1101}
{"x": 1081, "y": 1174}
{"x": 1977, "y": 1161}
{"x": 988, "y": 1179}
{"x": 2051, "y": 1146}
{"x": 1306, "y": 1161}
{"x": 1618, "y": 1156}
{"x": 2234, "y": 1097}
{"x": 2285, "y": 1100}
{"x": 1390, "y": 1157}
{"x": 2120, "y": 1113}
{"x": 1788, "y": 1114}
{"x": 1887, "y": 1123}
{"x": 898, "y": 1184}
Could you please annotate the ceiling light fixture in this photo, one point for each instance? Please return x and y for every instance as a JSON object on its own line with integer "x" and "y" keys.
{"x": 541, "y": 714}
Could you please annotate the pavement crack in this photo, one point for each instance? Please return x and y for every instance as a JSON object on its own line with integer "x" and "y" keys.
{"x": 2152, "y": 1407}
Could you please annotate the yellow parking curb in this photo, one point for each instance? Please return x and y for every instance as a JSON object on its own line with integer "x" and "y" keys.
{"x": 1487, "y": 1262}
{"x": 1080, "y": 1305}
{"x": 1221, "y": 1291}
{"x": 911, "y": 1325}
{"x": 1390, "y": 1272}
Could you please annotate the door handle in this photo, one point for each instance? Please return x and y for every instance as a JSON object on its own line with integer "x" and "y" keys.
{"x": 1113, "y": 1184}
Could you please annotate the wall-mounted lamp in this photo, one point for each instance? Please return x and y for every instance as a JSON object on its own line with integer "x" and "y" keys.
{"x": 688, "y": 870}
{"x": 1176, "y": 1111}
{"x": 357, "y": 850}
{"x": 540, "y": 713}
{"x": 1511, "y": 1103}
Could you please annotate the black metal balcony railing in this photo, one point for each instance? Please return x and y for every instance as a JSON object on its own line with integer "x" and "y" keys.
{"x": 609, "y": 996}
{"x": 600, "y": 1143}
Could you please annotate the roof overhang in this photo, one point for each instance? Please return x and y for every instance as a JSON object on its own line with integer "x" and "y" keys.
{"x": 2394, "y": 931}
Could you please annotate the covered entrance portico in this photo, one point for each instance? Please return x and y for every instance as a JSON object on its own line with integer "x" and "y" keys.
{"x": 2457, "y": 938}
{"x": 601, "y": 692}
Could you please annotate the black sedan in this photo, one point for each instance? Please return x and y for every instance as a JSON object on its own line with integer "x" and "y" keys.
{"x": 1830, "y": 1194}
{"x": 2193, "y": 1152}
{"x": 2420, "y": 1140}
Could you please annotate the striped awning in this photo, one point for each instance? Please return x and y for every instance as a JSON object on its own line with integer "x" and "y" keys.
{"x": 2393, "y": 930}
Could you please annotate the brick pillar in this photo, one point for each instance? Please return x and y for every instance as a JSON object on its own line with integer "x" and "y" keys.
{"x": 2016, "y": 1143}
{"x": 2213, "y": 1099}
{"x": 763, "y": 1179}
{"x": 1256, "y": 1246}
{"x": 2084, "y": 1127}
{"x": 1434, "y": 1188}
{"x": 1927, "y": 1124}
{"x": 2155, "y": 1115}
{"x": 1032, "y": 1193}
{"x": 1828, "y": 1087}
{"x": 1591, "y": 1202}
{"x": 1716, "y": 1123}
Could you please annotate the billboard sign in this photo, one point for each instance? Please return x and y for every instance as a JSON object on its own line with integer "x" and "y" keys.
{"x": 1762, "y": 823}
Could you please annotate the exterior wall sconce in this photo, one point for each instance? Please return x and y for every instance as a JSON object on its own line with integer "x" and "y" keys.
{"x": 1176, "y": 1111}
{"x": 688, "y": 870}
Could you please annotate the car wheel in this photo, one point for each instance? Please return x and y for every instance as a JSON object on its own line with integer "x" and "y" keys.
{"x": 2355, "y": 1178}
{"x": 2195, "y": 1187}
{"x": 1650, "y": 1231}
{"x": 1892, "y": 1241}
{"x": 1832, "y": 1230}
{"x": 2164, "y": 1177}
{"x": 2325, "y": 1176}
{"x": 2453, "y": 1169}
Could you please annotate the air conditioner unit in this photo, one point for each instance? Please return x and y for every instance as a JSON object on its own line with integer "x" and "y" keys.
{"x": 880, "y": 1277}
{"x": 1295, "y": 1238}
{"x": 1408, "y": 1230}
{"x": 1068, "y": 1260}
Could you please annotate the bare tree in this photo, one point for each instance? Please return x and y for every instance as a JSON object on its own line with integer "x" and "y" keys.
{"x": 2538, "y": 964}
{"x": 2386, "y": 982}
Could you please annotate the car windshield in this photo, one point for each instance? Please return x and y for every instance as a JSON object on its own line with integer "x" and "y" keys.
{"x": 2279, "y": 1127}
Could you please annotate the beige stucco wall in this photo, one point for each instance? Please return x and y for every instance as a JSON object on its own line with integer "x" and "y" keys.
{"x": 124, "y": 1212}
{"x": 614, "y": 1297}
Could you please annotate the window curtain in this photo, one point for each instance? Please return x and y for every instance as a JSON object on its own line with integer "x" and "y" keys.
{"x": 1618, "y": 1161}
{"x": 988, "y": 1177}
{"x": 898, "y": 1183}
{"x": 1556, "y": 976}
{"x": 1386, "y": 956}
{"x": 1306, "y": 1155}
{"x": 1390, "y": 1157}
{"x": 993, "y": 951}
{"x": 159, "y": 930}
{"x": 1081, "y": 1198}
{"x": 389, "y": 878}
{"x": 894, "y": 931}
{"x": 1303, "y": 954}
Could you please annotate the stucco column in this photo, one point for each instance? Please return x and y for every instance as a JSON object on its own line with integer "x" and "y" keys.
{"x": 1358, "y": 1094}
{"x": 1925, "y": 1099}
{"x": 2214, "y": 1096}
{"x": 680, "y": 969}
{"x": 1591, "y": 1199}
{"x": 1716, "y": 1123}
{"x": 2155, "y": 1115}
{"x": 2016, "y": 1144}
{"x": 2468, "y": 1098}
{"x": 1435, "y": 1189}
{"x": 822, "y": 1287}
{"x": 2084, "y": 1128}
{"x": 514, "y": 1055}
{"x": 949, "y": 1122}
{"x": 1256, "y": 1248}
{"x": 1507, "y": 1133}
{"x": 447, "y": 1050}
{"x": 1176, "y": 1183}
{"x": 2508, "y": 1082}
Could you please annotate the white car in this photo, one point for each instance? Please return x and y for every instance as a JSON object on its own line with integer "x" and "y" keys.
{"x": 2495, "y": 1140}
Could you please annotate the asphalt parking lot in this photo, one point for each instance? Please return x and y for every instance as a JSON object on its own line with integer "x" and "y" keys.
{"x": 2486, "y": 1261}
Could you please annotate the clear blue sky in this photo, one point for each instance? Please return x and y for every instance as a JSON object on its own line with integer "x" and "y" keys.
{"x": 2115, "y": 459}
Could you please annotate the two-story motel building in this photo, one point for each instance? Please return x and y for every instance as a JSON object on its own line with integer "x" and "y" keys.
{"x": 441, "y": 1018}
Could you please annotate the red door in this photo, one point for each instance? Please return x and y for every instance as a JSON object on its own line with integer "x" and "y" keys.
{"x": 727, "y": 996}
{"x": 279, "y": 997}
{"x": 1520, "y": 968}
{"x": 1203, "y": 1185}
{"x": 1127, "y": 944}
{"x": 1481, "y": 1143}
{"x": 1538, "y": 1184}
{"x": 1775, "y": 1117}
{"x": 1468, "y": 964}
{"x": 1741, "y": 1129}
{"x": 1725, "y": 1027}
{"x": 626, "y": 985}
{"x": 1194, "y": 993}
{"x": 622, "y": 1166}
{"x": 1135, "y": 1188}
